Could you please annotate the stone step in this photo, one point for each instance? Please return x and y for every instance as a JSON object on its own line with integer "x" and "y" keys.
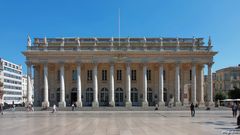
{"x": 178, "y": 108}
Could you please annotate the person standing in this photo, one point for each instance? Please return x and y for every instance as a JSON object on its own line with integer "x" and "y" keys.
{"x": 192, "y": 110}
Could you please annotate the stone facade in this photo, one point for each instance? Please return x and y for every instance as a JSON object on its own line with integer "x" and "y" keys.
{"x": 119, "y": 72}
{"x": 227, "y": 78}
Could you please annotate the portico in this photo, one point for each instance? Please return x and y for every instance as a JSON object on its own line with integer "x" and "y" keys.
{"x": 136, "y": 73}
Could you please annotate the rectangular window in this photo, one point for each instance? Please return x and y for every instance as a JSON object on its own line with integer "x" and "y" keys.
{"x": 148, "y": 75}
{"x": 119, "y": 75}
{"x": 104, "y": 75}
{"x": 89, "y": 75}
{"x": 74, "y": 75}
{"x": 164, "y": 75}
{"x": 190, "y": 76}
{"x": 58, "y": 75}
{"x": 134, "y": 75}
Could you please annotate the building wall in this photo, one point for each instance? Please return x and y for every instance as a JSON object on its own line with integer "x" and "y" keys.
{"x": 12, "y": 81}
{"x": 227, "y": 78}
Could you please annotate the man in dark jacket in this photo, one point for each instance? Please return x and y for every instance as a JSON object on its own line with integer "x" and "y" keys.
{"x": 1, "y": 108}
{"x": 238, "y": 121}
{"x": 192, "y": 110}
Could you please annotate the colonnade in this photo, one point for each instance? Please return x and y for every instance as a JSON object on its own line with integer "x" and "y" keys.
{"x": 128, "y": 102}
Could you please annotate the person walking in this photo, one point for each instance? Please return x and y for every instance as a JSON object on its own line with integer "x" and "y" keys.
{"x": 1, "y": 108}
{"x": 54, "y": 108}
{"x": 238, "y": 121}
{"x": 234, "y": 110}
{"x": 73, "y": 107}
{"x": 192, "y": 110}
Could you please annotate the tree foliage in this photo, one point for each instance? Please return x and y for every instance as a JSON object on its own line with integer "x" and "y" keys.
{"x": 220, "y": 95}
{"x": 234, "y": 94}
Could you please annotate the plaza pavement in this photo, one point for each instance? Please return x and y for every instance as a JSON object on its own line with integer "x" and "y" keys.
{"x": 118, "y": 123}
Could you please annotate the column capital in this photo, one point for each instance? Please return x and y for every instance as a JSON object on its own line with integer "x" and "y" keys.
{"x": 141, "y": 65}
{"x": 78, "y": 63}
{"x": 128, "y": 64}
{"x": 112, "y": 63}
{"x": 177, "y": 64}
{"x": 28, "y": 63}
{"x": 210, "y": 64}
{"x": 45, "y": 64}
{"x": 201, "y": 66}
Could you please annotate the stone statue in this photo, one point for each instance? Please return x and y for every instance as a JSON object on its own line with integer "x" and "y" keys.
{"x": 29, "y": 41}
{"x": 209, "y": 41}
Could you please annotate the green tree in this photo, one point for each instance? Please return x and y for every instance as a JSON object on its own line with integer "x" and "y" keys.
{"x": 234, "y": 94}
{"x": 220, "y": 95}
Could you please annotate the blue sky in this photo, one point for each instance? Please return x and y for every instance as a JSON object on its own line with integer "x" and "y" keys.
{"x": 219, "y": 19}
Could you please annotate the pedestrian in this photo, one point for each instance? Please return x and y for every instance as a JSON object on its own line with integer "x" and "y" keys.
{"x": 54, "y": 109}
{"x": 13, "y": 106}
{"x": 73, "y": 107}
{"x": 238, "y": 121}
{"x": 234, "y": 110}
{"x": 31, "y": 107}
{"x": 28, "y": 107}
{"x": 156, "y": 107}
{"x": 1, "y": 108}
{"x": 192, "y": 110}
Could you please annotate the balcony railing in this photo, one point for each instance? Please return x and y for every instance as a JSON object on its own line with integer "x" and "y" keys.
{"x": 119, "y": 44}
{"x": 122, "y": 47}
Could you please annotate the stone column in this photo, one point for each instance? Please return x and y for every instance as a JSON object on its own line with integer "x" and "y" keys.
{"x": 112, "y": 100}
{"x": 79, "y": 86}
{"x": 45, "y": 102}
{"x": 95, "y": 86}
{"x": 62, "y": 102}
{"x": 128, "y": 87}
{"x": 161, "y": 87}
{"x": 177, "y": 86}
{"x": 210, "y": 87}
{"x": 145, "y": 102}
{"x": 201, "y": 103}
{"x": 29, "y": 84}
{"x": 194, "y": 84}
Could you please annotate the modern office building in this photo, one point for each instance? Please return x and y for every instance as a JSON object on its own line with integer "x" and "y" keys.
{"x": 119, "y": 71}
{"x": 12, "y": 82}
{"x": 1, "y": 83}
{"x": 227, "y": 78}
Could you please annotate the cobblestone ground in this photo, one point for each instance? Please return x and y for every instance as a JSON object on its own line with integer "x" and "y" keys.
{"x": 118, "y": 123}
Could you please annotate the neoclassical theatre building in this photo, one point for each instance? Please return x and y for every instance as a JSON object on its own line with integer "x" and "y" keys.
{"x": 119, "y": 71}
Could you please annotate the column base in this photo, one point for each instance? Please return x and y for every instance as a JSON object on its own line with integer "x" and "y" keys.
{"x": 161, "y": 104}
{"x": 112, "y": 104}
{"x": 186, "y": 103}
{"x": 210, "y": 104}
{"x": 128, "y": 104}
{"x": 61, "y": 104}
{"x": 45, "y": 104}
{"x": 201, "y": 104}
{"x": 79, "y": 104}
{"x": 95, "y": 104}
{"x": 144, "y": 104}
{"x": 178, "y": 103}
